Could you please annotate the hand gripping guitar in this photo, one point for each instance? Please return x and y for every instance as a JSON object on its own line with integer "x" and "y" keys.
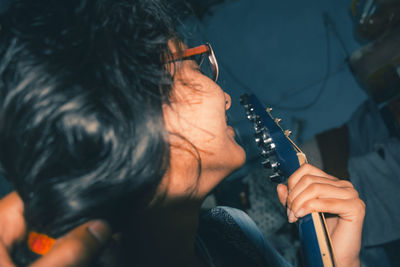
{"x": 283, "y": 156}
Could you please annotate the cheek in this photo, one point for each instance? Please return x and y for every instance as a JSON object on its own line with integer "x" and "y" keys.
{"x": 186, "y": 122}
{"x": 199, "y": 115}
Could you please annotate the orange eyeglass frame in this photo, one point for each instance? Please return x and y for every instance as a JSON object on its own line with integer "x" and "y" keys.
{"x": 198, "y": 50}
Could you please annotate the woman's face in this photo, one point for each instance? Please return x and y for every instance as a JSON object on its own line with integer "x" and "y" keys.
{"x": 198, "y": 114}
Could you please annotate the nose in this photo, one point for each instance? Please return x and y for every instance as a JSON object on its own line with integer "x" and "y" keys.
{"x": 228, "y": 101}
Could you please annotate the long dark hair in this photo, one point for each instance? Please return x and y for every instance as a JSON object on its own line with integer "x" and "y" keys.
{"x": 81, "y": 127}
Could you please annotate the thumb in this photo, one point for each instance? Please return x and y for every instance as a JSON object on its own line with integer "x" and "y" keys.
{"x": 282, "y": 193}
{"x": 77, "y": 247}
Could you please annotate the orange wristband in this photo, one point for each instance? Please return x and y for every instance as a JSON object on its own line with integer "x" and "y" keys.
{"x": 40, "y": 243}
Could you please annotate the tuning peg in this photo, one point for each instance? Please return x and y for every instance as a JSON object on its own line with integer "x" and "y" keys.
{"x": 266, "y": 153}
{"x": 258, "y": 139}
{"x": 275, "y": 165}
{"x": 267, "y": 150}
{"x": 288, "y": 133}
{"x": 250, "y": 117}
{"x": 265, "y": 134}
{"x": 250, "y": 111}
{"x": 270, "y": 146}
{"x": 267, "y": 140}
{"x": 258, "y": 128}
{"x": 269, "y": 110}
{"x": 257, "y": 120}
{"x": 266, "y": 163}
{"x": 277, "y": 178}
{"x": 250, "y": 108}
{"x": 278, "y": 120}
{"x": 258, "y": 125}
{"x": 262, "y": 137}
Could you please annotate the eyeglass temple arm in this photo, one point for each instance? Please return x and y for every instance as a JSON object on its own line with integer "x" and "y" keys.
{"x": 191, "y": 52}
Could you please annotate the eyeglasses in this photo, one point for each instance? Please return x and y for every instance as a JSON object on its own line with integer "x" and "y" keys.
{"x": 204, "y": 57}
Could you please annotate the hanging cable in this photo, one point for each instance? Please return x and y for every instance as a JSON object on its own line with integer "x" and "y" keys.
{"x": 324, "y": 80}
{"x": 329, "y": 26}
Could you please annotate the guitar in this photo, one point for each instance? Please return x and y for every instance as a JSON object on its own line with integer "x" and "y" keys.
{"x": 282, "y": 155}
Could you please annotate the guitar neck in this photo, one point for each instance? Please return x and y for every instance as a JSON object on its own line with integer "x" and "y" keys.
{"x": 284, "y": 157}
{"x": 314, "y": 236}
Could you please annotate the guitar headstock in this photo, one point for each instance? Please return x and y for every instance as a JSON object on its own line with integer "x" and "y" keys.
{"x": 279, "y": 153}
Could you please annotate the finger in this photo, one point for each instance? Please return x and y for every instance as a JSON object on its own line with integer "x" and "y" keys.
{"x": 295, "y": 207}
{"x": 306, "y": 169}
{"x": 313, "y": 187}
{"x": 5, "y": 260}
{"x": 282, "y": 193}
{"x": 12, "y": 222}
{"x": 78, "y": 247}
{"x": 349, "y": 210}
{"x": 347, "y": 234}
{"x": 13, "y": 201}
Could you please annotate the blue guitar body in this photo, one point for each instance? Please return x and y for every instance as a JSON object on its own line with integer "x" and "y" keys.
{"x": 284, "y": 158}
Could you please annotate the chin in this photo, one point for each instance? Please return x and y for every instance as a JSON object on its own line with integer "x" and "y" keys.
{"x": 242, "y": 157}
{"x": 240, "y": 152}
{"x": 237, "y": 159}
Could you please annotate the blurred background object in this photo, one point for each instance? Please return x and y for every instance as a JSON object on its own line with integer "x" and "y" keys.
{"x": 377, "y": 64}
{"x": 374, "y": 18}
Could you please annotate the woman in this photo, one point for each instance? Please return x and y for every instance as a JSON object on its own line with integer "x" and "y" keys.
{"x": 106, "y": 115}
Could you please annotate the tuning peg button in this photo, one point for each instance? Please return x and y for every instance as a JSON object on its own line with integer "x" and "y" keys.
{"x": 250, "y": 109}
{"x": 250, "y": 116}
{"x": 267, "y": 140}
{"x": 270, "y": 147}
{"x": 275, "y": 166}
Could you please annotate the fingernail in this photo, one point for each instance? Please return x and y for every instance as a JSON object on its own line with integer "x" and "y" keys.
{"x": 300, "y": 213}
{"x": 288, "y": 212}
{"x": 291, "y": 217}
{"x": 100, "y": 230}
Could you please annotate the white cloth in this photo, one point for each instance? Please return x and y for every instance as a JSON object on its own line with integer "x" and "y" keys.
{"x": 374, "y": 168}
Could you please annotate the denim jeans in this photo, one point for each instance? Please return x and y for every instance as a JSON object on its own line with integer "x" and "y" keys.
{"x": 253, "y": 233}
